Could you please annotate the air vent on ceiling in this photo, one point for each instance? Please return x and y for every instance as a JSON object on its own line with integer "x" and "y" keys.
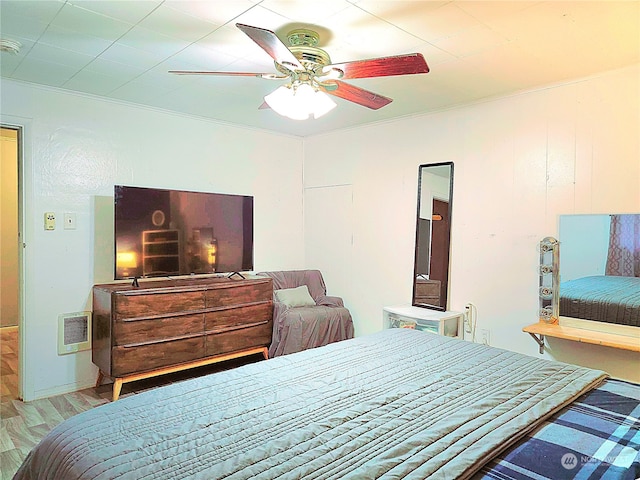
{"x": 10, "y": 46}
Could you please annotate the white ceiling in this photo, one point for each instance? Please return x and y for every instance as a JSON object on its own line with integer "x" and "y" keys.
{"x": 475, "y": 49}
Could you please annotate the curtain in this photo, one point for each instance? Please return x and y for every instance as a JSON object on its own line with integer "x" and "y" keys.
{"x": 623, "y": 257}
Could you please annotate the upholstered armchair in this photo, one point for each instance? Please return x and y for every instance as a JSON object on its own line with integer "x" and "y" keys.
{"x": 304, "y": 316}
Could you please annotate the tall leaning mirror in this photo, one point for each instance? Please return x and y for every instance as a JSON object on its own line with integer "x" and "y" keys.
{"x": 433, "y": 234}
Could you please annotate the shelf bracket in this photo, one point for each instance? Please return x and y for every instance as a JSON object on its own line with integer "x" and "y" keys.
{"x": 539, "y": 340}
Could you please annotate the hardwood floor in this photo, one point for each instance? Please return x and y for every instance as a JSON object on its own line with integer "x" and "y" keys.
{"x": 23, "y": 424}
{"x": 8, "y": 363}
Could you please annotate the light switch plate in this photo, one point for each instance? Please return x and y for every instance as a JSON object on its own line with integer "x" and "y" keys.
{"x": 49, "y": 221}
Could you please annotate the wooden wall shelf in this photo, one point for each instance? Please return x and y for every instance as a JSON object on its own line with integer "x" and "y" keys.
{"x": 541, "y": 329}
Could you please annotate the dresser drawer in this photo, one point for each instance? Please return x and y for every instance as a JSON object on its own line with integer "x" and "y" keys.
{"x": 238, "y": 339}
{"x": 140, "y": 358}
{"x": 140, "y": 306}
{"x": 221, "y": 297}
{"x": 230, "y": 317}
{"x": 139, "y": 331}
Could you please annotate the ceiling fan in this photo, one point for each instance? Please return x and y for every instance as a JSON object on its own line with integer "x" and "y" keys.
{"x": 310, "y": 73}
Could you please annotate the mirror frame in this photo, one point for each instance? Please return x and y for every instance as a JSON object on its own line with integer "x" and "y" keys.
{"x": 444, "y": 296}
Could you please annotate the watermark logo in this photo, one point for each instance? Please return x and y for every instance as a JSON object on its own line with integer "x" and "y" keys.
{"x": 569, "y": 461}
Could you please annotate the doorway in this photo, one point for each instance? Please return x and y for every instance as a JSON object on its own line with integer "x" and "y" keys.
{"x": 10, "y": 263}
{"x": 440, "y": 245}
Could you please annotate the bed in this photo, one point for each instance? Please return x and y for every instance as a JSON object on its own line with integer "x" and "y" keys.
{"x": 603, "y": 298}
{"x": 400, "y": 403}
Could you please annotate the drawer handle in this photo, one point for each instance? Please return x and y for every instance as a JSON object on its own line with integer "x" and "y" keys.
{"x": 236, "y": 327}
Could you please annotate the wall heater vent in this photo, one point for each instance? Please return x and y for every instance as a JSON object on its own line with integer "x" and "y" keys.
{"x": 74, "y": 332}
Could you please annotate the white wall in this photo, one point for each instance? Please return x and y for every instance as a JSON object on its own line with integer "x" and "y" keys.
{"x": 584, "y": 245}
{"x": 432, "y": 186}
{"x": 77, "y": 148}
{"x": 520, "y": 162}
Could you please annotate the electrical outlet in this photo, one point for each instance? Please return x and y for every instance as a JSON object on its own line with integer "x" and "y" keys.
{"x": 470, "y": 316}
{"x": 485, "y": 336}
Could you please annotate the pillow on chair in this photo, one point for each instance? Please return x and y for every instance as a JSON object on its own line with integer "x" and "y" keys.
{"x": 295, "y": 297}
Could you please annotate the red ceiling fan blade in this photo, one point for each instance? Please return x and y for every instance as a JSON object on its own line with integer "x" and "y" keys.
{"x": 271, "y": 76}
{"x": 271, "y": 44}
{"x": 355, "y": 94}
{"x": 382, "y": 67}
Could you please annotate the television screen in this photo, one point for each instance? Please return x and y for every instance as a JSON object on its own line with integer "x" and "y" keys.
{"x": 172, "y": 232}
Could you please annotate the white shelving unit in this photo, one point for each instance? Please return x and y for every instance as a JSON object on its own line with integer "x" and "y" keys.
{"x": 447, "y": 323}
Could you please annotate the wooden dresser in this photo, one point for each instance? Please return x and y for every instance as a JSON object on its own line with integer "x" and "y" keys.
{"x": 170, "y": 325}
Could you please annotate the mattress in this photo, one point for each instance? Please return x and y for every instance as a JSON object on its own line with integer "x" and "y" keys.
{"x": 400, "y": 403}
{"x": 602, "y": 298}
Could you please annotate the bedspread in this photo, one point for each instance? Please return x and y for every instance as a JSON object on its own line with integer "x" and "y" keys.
{"x": 396, "y": 404}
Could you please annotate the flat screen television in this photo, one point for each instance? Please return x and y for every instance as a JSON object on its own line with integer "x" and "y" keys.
{"x": 162, "y": 232}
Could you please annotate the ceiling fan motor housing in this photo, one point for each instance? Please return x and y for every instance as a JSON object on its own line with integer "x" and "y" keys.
{"x": 303, "y": 45}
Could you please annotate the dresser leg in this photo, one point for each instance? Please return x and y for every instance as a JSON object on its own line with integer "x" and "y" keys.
{"x": 117, "y": 386}
{"x": 100, "y": 378}
{"x": 265, "y": 353}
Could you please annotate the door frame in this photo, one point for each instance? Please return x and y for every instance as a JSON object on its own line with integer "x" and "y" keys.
{"x": 23, "y": 127}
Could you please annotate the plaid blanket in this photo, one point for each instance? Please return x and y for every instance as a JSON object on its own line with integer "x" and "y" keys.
{"x": 597, "y": 436}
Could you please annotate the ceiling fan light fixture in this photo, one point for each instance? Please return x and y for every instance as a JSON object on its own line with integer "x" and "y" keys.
{"x": 299, "y": 102}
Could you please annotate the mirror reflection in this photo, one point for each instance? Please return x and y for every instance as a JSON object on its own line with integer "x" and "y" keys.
{"x": 433, "y": 233}
{"x": 600, "y": 268}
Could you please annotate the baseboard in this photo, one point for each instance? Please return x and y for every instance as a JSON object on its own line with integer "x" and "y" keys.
{"x": 62, "y": 389}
